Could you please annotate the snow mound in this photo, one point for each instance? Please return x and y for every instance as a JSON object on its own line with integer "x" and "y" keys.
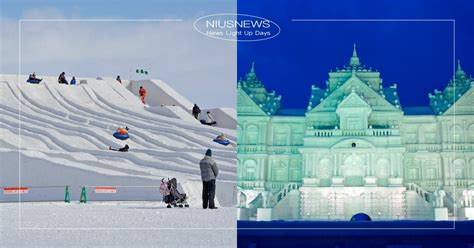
{"x": 160, "y": 94}
{"x": 68, "y": 129}
{"x": 173, "y": 112}
{"x": 225, "y": 117}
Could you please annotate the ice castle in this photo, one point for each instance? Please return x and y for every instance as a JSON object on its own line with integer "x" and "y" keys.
{"x": 355, "y": 149}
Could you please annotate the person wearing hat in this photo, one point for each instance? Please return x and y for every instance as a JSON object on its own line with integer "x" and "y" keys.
{"x": 209, "y": 172}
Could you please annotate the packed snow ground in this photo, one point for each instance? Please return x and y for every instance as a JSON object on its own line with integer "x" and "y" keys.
{"x": 118, "y": 224}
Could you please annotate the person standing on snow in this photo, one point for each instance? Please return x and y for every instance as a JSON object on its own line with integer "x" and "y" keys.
{"x": 119, "y": 79}
{"x": 196, "y": 111}
{"x": 73, "y": 80}
{"x": 209, "y": 172}
{"x": 142, "y": 94}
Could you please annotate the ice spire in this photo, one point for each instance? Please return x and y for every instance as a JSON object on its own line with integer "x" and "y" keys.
{"x": 459, "y": 71}
{"x": 354, "y": 59}
{"x": 251, "y": 75}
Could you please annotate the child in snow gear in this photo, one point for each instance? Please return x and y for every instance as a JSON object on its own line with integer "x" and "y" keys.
{"x": 221, "y": 139}
{"x": 123, "y": 149}
{"x": 209, "y": 172}
{"x": 62, "y": 78}
{"x": 196, "y": 111}
{"x": 209, "y": 119}
{"x": 118, "y": 79}
{"x": 171, "y": 195}
{"x": 121, "y": 133}
{"x": 73, "y": 80}
{"x": 142, "y": 94}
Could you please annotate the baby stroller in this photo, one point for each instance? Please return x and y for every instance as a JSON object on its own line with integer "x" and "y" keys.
{"x": 171, "y": 195}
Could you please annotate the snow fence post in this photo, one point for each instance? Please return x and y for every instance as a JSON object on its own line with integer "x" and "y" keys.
{"x": 67, "y": 197}
{"x": 83, "y": 195}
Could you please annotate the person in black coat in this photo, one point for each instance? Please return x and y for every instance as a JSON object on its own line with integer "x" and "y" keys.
{"x": 123, "y": 149}
{"x": 196, "y": 111}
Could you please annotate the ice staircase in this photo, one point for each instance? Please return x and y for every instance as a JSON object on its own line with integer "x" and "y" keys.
{"x": 419, "y": 204}
{"x": 450, "y": 203}
{"x": 286, "y": 203}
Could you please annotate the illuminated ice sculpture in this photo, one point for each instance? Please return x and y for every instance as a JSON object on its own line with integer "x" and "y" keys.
{"x": 354, "y": 149}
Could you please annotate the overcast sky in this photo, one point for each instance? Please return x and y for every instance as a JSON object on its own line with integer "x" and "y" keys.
{"x": 201, "y": 68}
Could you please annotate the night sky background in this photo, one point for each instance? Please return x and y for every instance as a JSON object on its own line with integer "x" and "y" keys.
{"x": 417, "y": 56}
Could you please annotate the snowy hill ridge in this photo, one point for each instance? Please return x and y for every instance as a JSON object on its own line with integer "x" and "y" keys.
{"x": 70, "y": 127}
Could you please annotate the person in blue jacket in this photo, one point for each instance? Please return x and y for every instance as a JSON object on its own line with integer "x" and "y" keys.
{"x": 73, "y": 80}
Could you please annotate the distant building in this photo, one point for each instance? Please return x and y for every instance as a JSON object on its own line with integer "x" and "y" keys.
{"x": 354, "y": 149}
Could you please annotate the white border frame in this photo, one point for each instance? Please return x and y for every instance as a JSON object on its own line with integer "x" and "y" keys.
{"x": 453, "y": 21}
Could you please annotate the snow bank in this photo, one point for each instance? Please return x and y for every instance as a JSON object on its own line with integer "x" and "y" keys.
{"x": 173, "y": 112}
{"x": 159, "y": 93}
{"x": 225, "y": 117}
{"x": 115, "y": 224}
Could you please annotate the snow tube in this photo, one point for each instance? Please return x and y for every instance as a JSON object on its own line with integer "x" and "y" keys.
{"x": 33, "y": 81}
{"x": 222, "y": 142}
{"x": 121, "y": 136}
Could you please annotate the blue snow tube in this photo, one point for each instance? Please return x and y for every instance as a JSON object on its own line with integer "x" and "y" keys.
{"x": 33, "y": 81}
{"x": 121, "y": 136}
{"x": 222, "y": 142}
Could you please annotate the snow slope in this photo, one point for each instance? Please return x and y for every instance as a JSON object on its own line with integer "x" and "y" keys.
{"x": 159, "y": 93}
{"x": 61, "y": 130}
{"x": 225, "y": 117}
{"x": 164, "y": 100}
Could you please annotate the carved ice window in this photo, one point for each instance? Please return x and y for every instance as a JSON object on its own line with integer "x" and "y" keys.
{"x": 240, "y": 135}
{"x": 459, "y": 169}
{"x": 252, "y": 134}
{"x": 430, "y": 173}
{"x": 295, "y": 174}
{"x": 279, "y": 174}
{"x": 456, "y": 132}
{"x": 382, "y": 169}
{"x": 470, "y": 132}
{"x": 249, "y": 170}
{"x": 354, "y": 123}
{"x": 412, "y": 174}
{"x": 354, "y": 165}
{"x": 324, "y": 169}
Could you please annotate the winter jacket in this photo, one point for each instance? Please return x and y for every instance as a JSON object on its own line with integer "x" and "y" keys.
{"x": 209, "y": 170}
{"x": 209, "y": 118}
{"x": 124, "y": 149}
{"x": 142, "y": 92}
{"x": 196, "y": 110}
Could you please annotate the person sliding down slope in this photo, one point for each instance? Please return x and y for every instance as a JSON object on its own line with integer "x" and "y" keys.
{"x": 142, "y": 94}
{"x": 33, "y": 79}
{"x": 209, "y": 120}
{"x": 123, "y": 149}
